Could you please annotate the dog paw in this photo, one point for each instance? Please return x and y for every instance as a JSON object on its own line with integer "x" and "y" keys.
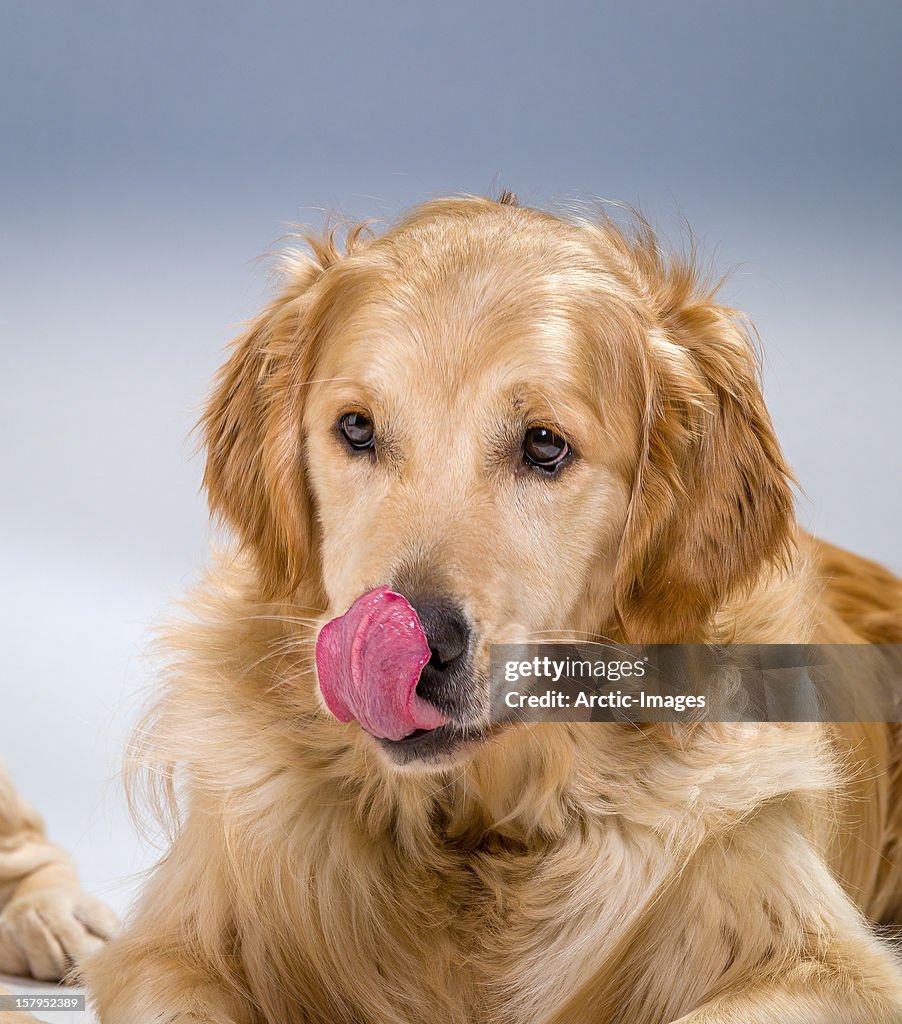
{"x": 46, "y": 934}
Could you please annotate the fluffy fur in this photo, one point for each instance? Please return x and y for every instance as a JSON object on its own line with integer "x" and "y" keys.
{"x": 48, "y": 923}
{"x": 564, "y": 873}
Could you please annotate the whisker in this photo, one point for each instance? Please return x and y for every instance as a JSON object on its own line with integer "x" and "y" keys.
{"x": 320, "y": 380}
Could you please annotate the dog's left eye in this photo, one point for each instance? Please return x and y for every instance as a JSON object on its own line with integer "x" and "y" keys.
{"x": 357, "y": 429}
{"x": 544, "y": 449}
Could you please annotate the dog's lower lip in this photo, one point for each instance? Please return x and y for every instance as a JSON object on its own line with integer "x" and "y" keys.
{"x": 440, "y": 733}
{"x": 415, "y": 735}
{"x": 446, "y": 739}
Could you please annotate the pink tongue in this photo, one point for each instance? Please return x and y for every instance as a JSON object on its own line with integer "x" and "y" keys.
{"x": 369, "y": 662}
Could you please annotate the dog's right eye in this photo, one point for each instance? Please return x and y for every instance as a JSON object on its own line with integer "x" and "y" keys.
{"x": 545, "y": 449}
{"x": 357, "y": 429}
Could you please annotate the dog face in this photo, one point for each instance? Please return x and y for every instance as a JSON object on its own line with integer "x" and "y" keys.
{"x": 530, "y": 428}
{"x": 457, "y": 451}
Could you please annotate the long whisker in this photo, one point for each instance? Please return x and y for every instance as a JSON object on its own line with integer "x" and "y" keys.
{"x": 320, "y": 380}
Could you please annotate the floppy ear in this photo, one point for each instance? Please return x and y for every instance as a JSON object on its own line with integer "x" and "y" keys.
{"x": 711, "y": 502}
{"x": 251, "y": 429}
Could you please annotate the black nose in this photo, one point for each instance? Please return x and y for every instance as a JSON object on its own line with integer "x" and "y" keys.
{"x": 448, "y": 635}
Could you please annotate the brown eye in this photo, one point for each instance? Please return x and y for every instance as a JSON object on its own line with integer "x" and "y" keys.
{"x": 544, "y": 449}
{"x": 357, "y": 430}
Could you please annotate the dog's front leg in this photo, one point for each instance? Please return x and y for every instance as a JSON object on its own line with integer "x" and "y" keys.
{"x": 804, "y": 1002}
{"x": 133, "y": 983}
{"x": 753, "y": 929}
{"x": 47, "y": 921}
{"x": 798, "y": 951}
{"x": 172, "y": 964}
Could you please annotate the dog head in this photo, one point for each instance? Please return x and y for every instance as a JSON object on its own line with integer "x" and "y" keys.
{"x": 531, "y": 428}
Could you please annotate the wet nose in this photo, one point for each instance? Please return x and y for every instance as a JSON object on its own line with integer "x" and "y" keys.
{"x": 448, "y": 635}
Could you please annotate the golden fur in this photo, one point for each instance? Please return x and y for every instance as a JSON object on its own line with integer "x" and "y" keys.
{"x": 47, "y": 921}
{"x": 562, "y": 873}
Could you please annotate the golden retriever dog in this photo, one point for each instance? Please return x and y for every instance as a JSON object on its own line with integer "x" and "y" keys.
{"x": 528, "y": 427}
{"x": 48, "y": 923}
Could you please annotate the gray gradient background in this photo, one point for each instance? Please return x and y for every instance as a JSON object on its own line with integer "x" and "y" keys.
{"x": 152, "y": 150}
